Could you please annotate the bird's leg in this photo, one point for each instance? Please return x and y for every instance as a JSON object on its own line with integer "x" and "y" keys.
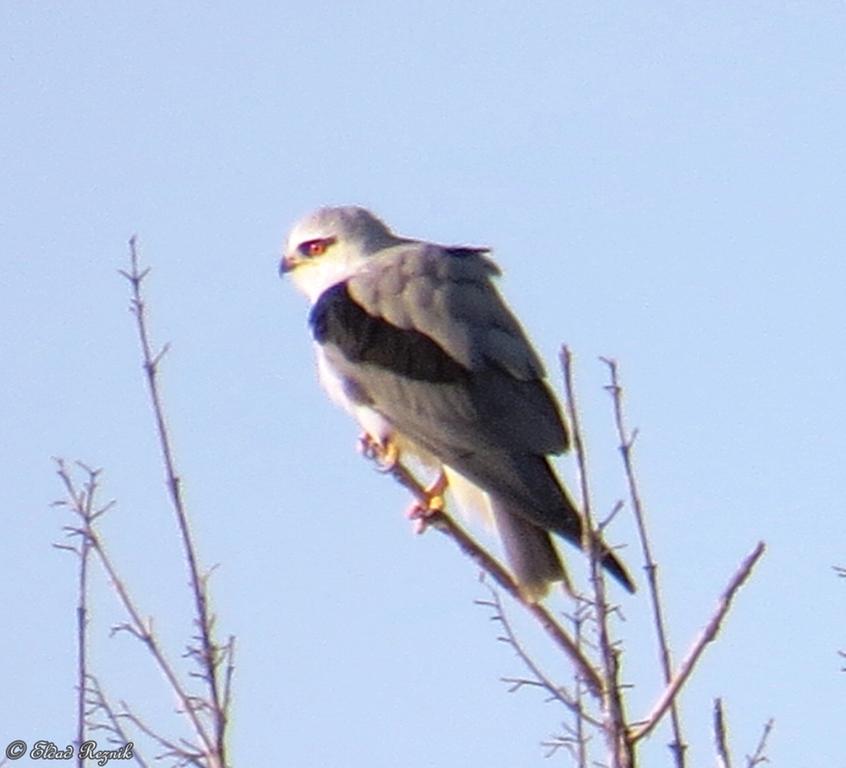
{"x": 433, "y": 502}
{"x": 367, "y": 445}
{"x": 382, "y": 450}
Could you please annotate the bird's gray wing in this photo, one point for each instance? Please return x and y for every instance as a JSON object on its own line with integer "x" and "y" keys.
{"x": 448, "y": 296}
{"x": 423, "y": 337}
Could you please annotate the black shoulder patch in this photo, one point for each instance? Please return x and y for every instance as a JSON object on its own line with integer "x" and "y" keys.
{"x": 362, "y": 338}
{"x": 464, "y": 251}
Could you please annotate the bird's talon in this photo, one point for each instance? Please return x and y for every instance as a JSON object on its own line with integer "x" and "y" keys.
{"x": 420, "y": 515}
{"x": 417, "y": 511}
{"x": 420, "y": 525}
{"x": 366, "y": 446}
{"x": 422, "y": 511}
{"x": 385, "y": 453}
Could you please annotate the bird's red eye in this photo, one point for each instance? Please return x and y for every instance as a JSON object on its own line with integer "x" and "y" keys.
{"x": 316, "y": 247}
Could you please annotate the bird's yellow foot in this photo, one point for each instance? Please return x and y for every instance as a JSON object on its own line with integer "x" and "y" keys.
{"x": 384, "y": 452}
{"x": 422, "y": 509}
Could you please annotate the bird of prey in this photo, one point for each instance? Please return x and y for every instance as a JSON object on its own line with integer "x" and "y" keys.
{"x": 415, "y": 341}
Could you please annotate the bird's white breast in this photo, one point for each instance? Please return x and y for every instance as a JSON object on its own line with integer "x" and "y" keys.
{"x": 373, "y": 423}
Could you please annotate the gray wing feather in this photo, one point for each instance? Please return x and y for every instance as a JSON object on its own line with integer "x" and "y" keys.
{"x": 493, "y": 428}
{"x": 450, "y": 299}
{"x": 505, "y": 404}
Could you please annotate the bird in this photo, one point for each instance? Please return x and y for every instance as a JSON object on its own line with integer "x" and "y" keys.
{"x": 415, "y": 341}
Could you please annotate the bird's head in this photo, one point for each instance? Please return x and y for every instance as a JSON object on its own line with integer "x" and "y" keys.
{"x": 332, "y": 244}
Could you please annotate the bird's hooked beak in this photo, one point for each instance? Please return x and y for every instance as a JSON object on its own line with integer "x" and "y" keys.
{"x": 289, "y": 262}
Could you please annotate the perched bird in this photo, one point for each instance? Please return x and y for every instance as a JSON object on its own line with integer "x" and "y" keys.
{"x": 416, "y": 342}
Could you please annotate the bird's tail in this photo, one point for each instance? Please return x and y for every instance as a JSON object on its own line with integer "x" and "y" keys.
{"x": 531, "y": 554}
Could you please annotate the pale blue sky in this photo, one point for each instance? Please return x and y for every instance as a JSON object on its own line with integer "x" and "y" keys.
{"x": 663, "y": 184}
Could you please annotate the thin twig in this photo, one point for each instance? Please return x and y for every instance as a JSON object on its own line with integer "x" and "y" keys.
{"x": 443, "y": 523}
{"x": 570, "y": 743}
{"x": 229, "y": 655}
{"x": 721, "y": 736}
{"x": 136, "y": 625}
{"x": 580, "y": 616}
{"x": 758, "y": 756}
{"x": 184, "y": 753}
{"x": 209, "y": 651}
{"x": 82, "y": 503}
{"x": 678, "y": 746}
{"x": 556, "y": 692}
{"x": 616, "y": 730}
{"x": 97, "y": 702}
{"x": 706, "y": 636}
{"x": 81, "y": 625}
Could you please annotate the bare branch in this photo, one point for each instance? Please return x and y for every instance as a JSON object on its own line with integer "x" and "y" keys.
{"x": 443, "y": 523}
{"x": 720, "y": 736}
{"x": 184, "y": 753}
{"x": 707, "y": 635}
{"x": 82, "y": 502}
{"x": 97, "y": 702}
{"x": 581, "y": 615}
{"x": 210, "y": 653}
{"x": 570, "y": 744}
{"x": 616, "y": 730}
{"x": 678, "y": 746}
{"x": 556, "y": 692}
{"x": 759, "y": 756}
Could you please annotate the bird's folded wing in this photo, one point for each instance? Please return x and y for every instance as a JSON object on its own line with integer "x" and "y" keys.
{"x": 423, "y": 337}
{"x": 448, "y": 295}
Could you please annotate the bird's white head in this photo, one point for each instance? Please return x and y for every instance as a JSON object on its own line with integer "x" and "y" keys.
{"x": 332, "y": 244}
